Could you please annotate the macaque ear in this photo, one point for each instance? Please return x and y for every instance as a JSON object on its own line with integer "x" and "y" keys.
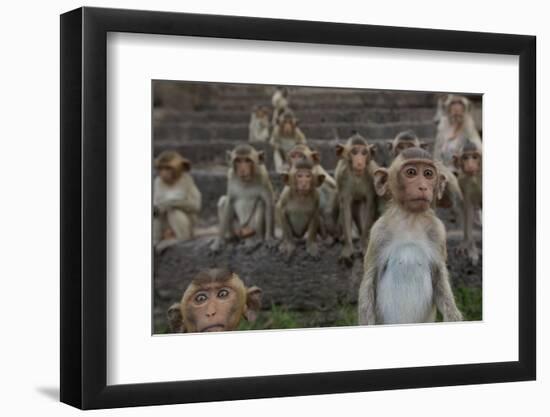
{"x": 456, "y": 161}
{"x": 316, "y": 157}
{"x": 175, "y": 319}
{"x": 372, "y": 149}
{"x": 186, "y": 165}
{"x": 389, "y": 145}
{"x": 228, "y": 157}
{"x": 339, "y": 150}
{"x": 253, "y": 303}
{"x": 286, "y": 178}
{"x": 441, "y": 186}
{"x": 261, "y": 157}
{"x": 320, "y": 179}
{"x": 423, "y": 145}
{"x": 381, "y": 181}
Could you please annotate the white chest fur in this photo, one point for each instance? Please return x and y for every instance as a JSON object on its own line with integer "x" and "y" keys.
{"x": 404, "y": 293}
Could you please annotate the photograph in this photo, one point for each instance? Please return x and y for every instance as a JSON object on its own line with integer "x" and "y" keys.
{"x": 293, "y": 207}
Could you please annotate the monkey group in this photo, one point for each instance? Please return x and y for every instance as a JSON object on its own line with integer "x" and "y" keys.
{"x": 389, "y": 205}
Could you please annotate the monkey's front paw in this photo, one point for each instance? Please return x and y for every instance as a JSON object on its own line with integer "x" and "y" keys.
{"x": 454, "y": 316}
{"x": 216, "y": 246}
{"x": 473, "y": 254}
{"x": 462, "y": 249}
{"x": 313, "y": 250}
{"x": 287, "y": 249}
{"x": 346, "y": 256}
{"x": 270, "y": 243}
{"x": 250, "y": 245}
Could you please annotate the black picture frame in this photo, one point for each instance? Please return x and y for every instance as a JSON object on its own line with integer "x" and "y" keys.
{"x": 84, "y": 207}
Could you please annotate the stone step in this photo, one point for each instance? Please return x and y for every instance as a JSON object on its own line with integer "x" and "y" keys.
{"x": 184, "y": 131}
{"x": 374, "y": 115}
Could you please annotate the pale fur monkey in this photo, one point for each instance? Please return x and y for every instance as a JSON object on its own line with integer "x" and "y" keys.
{"x": 405, "y": 272}
{"x": 176, "y": 200}
{"x": 286, "y": 134}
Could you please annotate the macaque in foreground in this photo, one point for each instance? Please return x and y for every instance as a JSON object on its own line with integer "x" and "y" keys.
{"x": 327, "y": 190}
{"x": 246, "y": 211}
{"x": 468, "y": 163}
{"x": 286, "y": 134}
{"x": 176, "y": 200}
{"x": 280, "y": 102}
{"x": 298, "y": 208}
{"x": 258, "y": 128}
{"x": 452, "y": 196}
{"x": 216, "y": 300}
{"x": 456, "y": 125}
{"x": 356, "y": 199}
{"x": 405, "y": 272}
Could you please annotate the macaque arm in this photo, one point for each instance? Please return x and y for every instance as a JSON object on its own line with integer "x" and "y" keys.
{"x": 300, "y": 137}
{"x": 281, "y": 217}
{"x": 443, "y": 294}
{"x": 274, "y": 138}
{"x": 345, "y": 210}
{"x": 267, "y": 198}
{"x": 191, "y": 202}
{"x": 313, "y": 225}
{"x": 227, "y": 215}
{"x": 367, "y": 297}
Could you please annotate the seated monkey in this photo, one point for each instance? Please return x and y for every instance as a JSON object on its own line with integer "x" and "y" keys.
{"x": 286, "y": 134}
{"x": 298, "y": 207}
{"x": 216, "y": 300}
{"x": 280, "y": 101}
{"x": 258, "y": 128}
{"x": 176, "y": 200}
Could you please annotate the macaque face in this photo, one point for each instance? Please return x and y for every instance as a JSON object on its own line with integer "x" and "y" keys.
{"x": 168, "y": 174}
{"x": 418, "y": 181}
{"x": 359, "y": 158}
{"x": 471, "y": 163}
{"x": 402, "y": 145}
{"x": 287, "y": 127}
{"x": 456, "y": 113}
{"x": 215, "y": 307}
{"x": 304, "y": 181}
{"x": 244, "y": 168}
{"x": 261, "y": 114}
{"x": 296, "y": 156}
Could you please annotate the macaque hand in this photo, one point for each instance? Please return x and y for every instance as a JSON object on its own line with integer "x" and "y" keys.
{"x": 346, "y": 255}
{"x": 454, "y": 315}
{"x": 313, "y": 250}
{"x": 217, "y": 245}
{"x": 270, "y": 243}
{"x": 287, "y": 249}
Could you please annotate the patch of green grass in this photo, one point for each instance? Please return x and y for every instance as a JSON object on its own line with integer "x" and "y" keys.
{"x": 469, "y": 302}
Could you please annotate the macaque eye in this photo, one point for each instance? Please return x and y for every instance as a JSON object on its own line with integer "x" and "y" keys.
{"x": 475, "y": 157}
{"x": 410, "y": 172}
{"x": 223, "y": 293}
{"x": 201, "y": 298}
{"x": 364, "y": 152}
{"x": 428, "y": 173}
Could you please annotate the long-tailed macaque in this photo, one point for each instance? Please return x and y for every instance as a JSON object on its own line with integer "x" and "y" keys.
{"x": 176, "y": 200}
{"x": 246, "y": 211}
{"x": 405, "y": 272}
{"x": 298, "y": 207}
{"x": 286, "y": 134}
{"x": 280, "y": 101}
{"x": 258, "y": 128}
{"x": 452, "y": 196}
{"x": 456, "y": 125}
{"x": 216, "y": 300}
{"x": 327, "y": 190}
{"x": 469, "y": 166}
{"x": 356, "y": 199}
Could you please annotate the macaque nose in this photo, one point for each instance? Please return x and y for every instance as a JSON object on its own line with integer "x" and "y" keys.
{"x": 423, "y": 187}
{"x": 210, "y": 313}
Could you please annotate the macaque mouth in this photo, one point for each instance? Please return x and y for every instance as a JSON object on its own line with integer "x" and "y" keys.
{"x": 213, "y": 328}
{"x": 421, "y": 199}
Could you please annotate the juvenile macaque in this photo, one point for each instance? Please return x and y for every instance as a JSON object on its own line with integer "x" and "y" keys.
{"x": 452, "y": 196}
{"x": 298, "y": 207}
{"x": 456, "y": 126}
{"x": 468, "y": 163}
{"x": 258, "y": 128}
{"x": 327, "y": 190}
{"x": 176, "y": 200}
{"x": 280, "y": 101}
{"x": 246, "y": 211}
{"x": 216, "y": 300}
{"x": 356, "y": 198}
{"x": 405, "y": 272}
{"x": 286, "y": 134}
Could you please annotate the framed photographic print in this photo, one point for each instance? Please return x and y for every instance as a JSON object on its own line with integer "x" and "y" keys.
{"x": 320, "y": 207}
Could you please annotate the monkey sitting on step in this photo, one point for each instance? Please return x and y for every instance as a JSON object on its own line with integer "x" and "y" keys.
{"x": 405, "y": 271}
{"x": 215, "y": 301}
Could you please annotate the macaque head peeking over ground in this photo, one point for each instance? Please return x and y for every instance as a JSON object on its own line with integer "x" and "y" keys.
{"x": 412, "y": 180}
{"x": 216, "y": 300}
{"x": 170, "y": 165}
